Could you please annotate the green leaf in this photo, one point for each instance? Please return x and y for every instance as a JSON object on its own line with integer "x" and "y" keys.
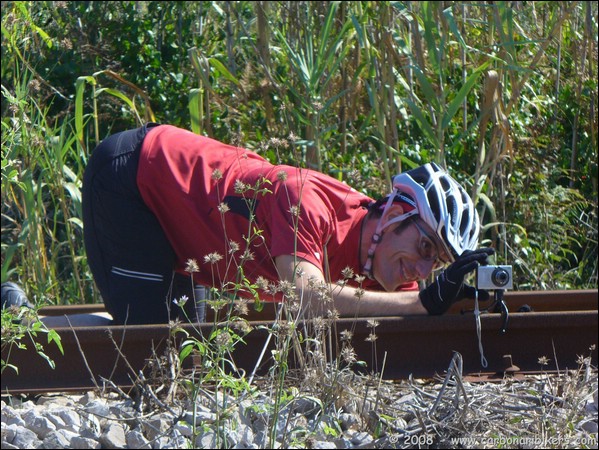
{"x": 43, "y": 35}
{"x": 326, "y": 29}
{"x": 79, "y": 91}
{"x": 430, "y": 25}
{"x": 223, "y": 70}
{"x": 362, "y": 37}
{"x": 489, "y": 205}
{"x": 427, "y": 88}
{"x": 185, "y": 352}
{"x": 77, "y": 221}
{"x": 195, "y": 101}
{"x": 10, "y": 366}
{"x": 74, "y": 191}
{"x": 47, "y": 358}
{"x": 458, "y": 100}
{"x": 119, "y": 95}
{"x": 53, "y": 336}
{"x": 448, "y": 13}
{"x": 425, "y": 126}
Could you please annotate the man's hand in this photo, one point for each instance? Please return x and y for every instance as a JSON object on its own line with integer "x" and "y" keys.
{"x": 450, "y": 287}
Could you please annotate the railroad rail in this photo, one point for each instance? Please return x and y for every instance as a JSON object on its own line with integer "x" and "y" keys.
{"x": 559, "y": 325}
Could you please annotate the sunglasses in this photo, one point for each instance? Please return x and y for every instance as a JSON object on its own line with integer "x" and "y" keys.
{"x": 428, "y": 249}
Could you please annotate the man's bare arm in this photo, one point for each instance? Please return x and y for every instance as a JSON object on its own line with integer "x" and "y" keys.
{"x": 347, "y": 300}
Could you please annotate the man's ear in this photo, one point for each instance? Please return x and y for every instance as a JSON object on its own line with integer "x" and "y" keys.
{"x": 395, "y": 210}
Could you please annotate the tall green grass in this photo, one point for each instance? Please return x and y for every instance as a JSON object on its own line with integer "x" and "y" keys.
{"x": 360, "y": 90}
{"x": 41, "y": 199}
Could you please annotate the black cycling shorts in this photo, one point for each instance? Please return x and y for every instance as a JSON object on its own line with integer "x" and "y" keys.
{"x": 128, "y": 253}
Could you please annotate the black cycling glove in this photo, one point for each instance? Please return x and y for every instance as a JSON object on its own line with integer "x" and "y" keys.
{"x": 450, "y": 287}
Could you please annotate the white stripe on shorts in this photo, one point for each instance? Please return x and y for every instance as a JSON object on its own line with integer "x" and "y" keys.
{"x": 134, "y": 274}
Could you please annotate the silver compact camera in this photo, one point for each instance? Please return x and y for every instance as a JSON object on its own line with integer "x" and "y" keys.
{"x": 494, "y": 277}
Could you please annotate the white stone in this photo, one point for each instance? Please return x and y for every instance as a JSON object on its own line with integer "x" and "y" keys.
{"x": 202, "y": 415}
{"x": 206, "y": 439}
{"x": 9, "y": 432}
{"x": 56, "y": 401}
{"x": 10, "y": 416}
{"x": 113, "y": 436}
{"x": 361, "y": 438}
{"x": 243, "y": 435}
{"x": 184, "y": 428}
{"x": 90, "y": 427}
{"x": 348, "y": 421}
{"x": 324, "y": 444}
{"x": 55, "y": 419}
{"x": 70, "y": 419}
{"x": 58, "y": 439}
{"x": 25, "y": 438}
{"x": 37, "y": 423}
{"x": 155, "y": 426}
{"x": 99, "y": 408}
{"x": 84, "y": 443}
{"x": 177, "y": 440}
{"x": 136, "y": 439}
{"x": 87, "y": 398}
{"x": 590, "y": 426}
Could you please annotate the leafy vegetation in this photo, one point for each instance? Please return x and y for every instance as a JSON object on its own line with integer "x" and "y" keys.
{"x": 502, "y": 94}
{"x": 21, "y": 329}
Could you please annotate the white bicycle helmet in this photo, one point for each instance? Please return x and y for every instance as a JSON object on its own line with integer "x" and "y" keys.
{"x": 441, "y": 202}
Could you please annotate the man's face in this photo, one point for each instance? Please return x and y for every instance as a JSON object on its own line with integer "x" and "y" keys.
{"x": 408, "y": 255}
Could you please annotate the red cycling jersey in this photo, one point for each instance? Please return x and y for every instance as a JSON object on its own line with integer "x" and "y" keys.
{"x": 234, "y": 212}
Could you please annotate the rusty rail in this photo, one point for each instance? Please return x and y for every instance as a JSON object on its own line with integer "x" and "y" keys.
{"x": 562, "y": 326}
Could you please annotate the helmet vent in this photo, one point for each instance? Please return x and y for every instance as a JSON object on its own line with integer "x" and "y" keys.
{"x": 445, "y": 184}
{"x": 433, "y": 199}
{"x": 464, "y": 223}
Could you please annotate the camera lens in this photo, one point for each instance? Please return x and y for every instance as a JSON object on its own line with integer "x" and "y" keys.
{"x": 500, "y": 277}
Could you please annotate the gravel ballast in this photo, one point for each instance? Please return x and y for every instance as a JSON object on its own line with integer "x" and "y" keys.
{"x": 544, "y": 411}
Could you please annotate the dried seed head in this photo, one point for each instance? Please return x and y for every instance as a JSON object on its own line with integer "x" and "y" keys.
{"x": 191, "y": 266}
{"x": 212, "y": 258}
{"x": 348, "y": 355}
{"x": 295, "y": 210}
{"x": 371, "y": 323}
{"x": 320, "y": 324}
{"x": 299, "y": 272}
{"x": 242, "y": 326}
{"x": 283, "y": 328}
{"x": 261, "y": 283}
{"x": 346, "y": 335}
{"x": 241, "y": 307}
{"x": 543, "y": 360}
{"x": 247, "y": 256}
{"x": 217, "y": 174}
{"x": 359, "y": 278}
{"x": 371, "y": 337}
{"x": 347, "y": 273}
{"x": 223, "y": 339}
{"x": 233, "y": 247}
{"x": 240, "y": 187}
